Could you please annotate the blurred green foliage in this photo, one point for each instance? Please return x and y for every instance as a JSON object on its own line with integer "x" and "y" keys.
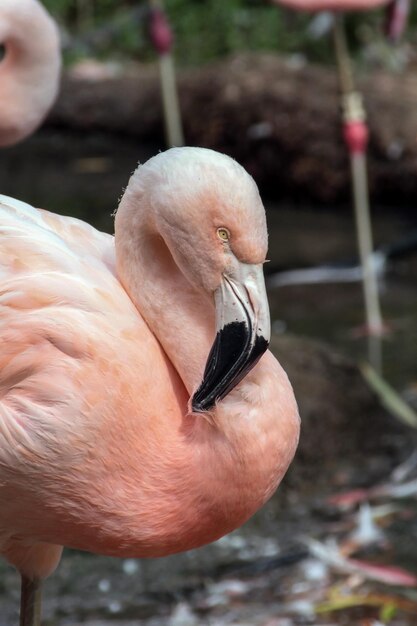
{"x": 204, "y": 29}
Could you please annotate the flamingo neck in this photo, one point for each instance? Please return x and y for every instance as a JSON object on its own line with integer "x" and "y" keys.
{"x": 181, "y": 317}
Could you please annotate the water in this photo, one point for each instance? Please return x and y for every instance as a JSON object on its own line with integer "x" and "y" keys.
{"x": 334, "y": 313}
{"x": 305, "y": 237}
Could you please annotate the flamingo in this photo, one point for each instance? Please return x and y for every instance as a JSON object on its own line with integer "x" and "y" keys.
{"x": 331, "y": 5}
{"x": 30, "y": 65}
{"x": 141, "y": 413}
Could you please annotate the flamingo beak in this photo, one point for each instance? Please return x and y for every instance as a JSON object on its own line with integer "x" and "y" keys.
{"x": 243, "y": 333}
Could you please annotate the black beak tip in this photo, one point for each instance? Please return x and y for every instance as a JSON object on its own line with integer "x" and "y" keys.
{"x": 261, "y": 346}
{"x": 227, "y": 364}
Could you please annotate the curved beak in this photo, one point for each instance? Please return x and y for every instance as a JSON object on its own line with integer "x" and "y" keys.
{"x": 243, "y": 333}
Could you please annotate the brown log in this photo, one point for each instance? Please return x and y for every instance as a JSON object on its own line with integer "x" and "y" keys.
{"x": 279, "y": 119}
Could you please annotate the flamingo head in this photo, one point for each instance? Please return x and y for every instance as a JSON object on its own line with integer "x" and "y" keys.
{"x": 208, "y": 210}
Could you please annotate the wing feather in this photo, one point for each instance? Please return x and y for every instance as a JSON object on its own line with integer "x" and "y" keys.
{"x": 59, "y": 296}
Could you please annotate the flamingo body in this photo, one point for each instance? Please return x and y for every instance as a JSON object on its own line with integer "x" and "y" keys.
{"x": 100, "y": 352}
{"x": 29, "y": 67}
{"x": 331, "y": 5}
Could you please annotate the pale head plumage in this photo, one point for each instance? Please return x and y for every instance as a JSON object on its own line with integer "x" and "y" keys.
{"x": 188, "y": 194}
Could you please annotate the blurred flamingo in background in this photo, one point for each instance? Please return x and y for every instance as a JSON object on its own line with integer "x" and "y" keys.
{"x": 122, "y": 431}
{"x": 331, "y": 5}
{"x": 30, "y": 65}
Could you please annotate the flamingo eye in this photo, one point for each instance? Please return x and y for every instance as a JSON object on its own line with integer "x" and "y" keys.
{"x": 2, "y": 51}
{"x": 223, "y": 234}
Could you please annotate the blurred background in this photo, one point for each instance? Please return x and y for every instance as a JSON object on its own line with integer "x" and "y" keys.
{"x": 338, "y": 543}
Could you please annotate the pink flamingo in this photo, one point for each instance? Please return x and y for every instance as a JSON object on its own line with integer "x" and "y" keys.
{"x": 331, "y": 5}
{"x": 122, "y": 431}
{"x": 29, "y": 67}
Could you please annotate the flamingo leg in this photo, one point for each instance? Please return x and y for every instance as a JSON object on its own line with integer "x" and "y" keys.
{"x": 30, "y": 602}
{"x": 161, "y": 37}
{"x": 356, "y": 137}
